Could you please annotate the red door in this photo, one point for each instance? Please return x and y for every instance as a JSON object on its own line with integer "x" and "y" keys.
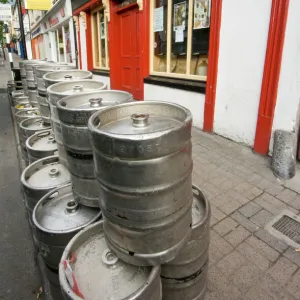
{"x": 130, "y": 75}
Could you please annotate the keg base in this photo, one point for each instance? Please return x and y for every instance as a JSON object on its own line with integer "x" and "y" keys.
{"x": 146, "y": 259}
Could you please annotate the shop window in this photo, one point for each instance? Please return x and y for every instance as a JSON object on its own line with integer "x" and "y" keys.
{"x": 100, "y": 40}
{"x": 180, "y": 38}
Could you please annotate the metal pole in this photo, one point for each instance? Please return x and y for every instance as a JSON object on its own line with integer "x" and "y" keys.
{"x": 22, "y": 28}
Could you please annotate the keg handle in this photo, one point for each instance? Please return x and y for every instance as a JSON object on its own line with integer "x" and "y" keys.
{"x": 69, "y": 77}
{"x": 77, "y": 88}
{"x": 109, "y": 259}
{"x": 95, "y": 102}
{"x": 71, "y": 207}
{"x": 140, "y": 120}
{"x": 54, "y": 172}
{"x": 43, "y": 134}
{"x": 51, "y": 140}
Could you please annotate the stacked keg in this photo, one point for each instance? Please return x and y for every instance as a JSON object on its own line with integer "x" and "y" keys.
{"x": 39, "y": 72}
{"x": 67, "y": 87}
{"x": 155, "y": 223}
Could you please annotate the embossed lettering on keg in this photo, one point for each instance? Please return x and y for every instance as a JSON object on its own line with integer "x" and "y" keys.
{"x": 195, "y": 253}
{"x": 57, "y": 218}
{"x": 74, "y": 112}
{"x": 143, "y": 163}
{"x": 100, "y": 274}
{"x": 40, "y": 145}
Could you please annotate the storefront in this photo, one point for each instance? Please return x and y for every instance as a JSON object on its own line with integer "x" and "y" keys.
{"x": 58, "y": 33}
{"x": 37, "y": 43}
{"x": 224, "y": 60}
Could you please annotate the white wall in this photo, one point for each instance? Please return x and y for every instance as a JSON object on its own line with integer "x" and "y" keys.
{"x": 191, "y": 100}
{"x": 28, "y": 46}
{"x": 104, "y": 79}
{"x": 83, "y": 49}
{"x": 287, "y": 105}
{"x": 243, "y": 40}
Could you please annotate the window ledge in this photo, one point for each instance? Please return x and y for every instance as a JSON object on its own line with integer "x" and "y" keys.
{"x": 181, "y": 84}
{"x": 100, "y": 72}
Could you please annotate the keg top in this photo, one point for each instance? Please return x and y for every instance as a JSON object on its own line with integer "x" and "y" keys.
{"x": 200, "y": 213}
{"x": 135, "y": 119}
{"x": 23, "y": 63}
{"x": 26, "y": 105}
{"x": 29, "y": 113}
{"x": 67, "y": 75}
{"x": 45, "y": 173}
{"x": 42, "y": 141}
{"x": 19, "y": 93}
{"x": 29, "y": 66}
{"x": 22, "y": 99}
{"x": 48, "y": 68}
{"x": 66, "y": 88}
{"x": 34, "y": 124}
{"x": 98, "y": 271}
{"x": 58, "y": 212}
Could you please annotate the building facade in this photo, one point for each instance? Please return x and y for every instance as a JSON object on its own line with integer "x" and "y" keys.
{"x": 235, "y": 64}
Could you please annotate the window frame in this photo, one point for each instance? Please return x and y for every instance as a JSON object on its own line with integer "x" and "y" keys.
{"x": 168, "y": 72}
{"x": 96, "y": 13}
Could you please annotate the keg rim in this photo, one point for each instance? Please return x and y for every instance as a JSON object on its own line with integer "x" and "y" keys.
{"x": 47, "y": 197}
{"x": 51, "y": 90}
{"x": 47, "y": 76}
{"x": 150, "y": 135}
{"x": 72, "y": 247}
{"x": 35, "y": 136}
{"x": 31, "y": 120}
{"x": 44, "y": 161}
{"x": 20, "y": 112}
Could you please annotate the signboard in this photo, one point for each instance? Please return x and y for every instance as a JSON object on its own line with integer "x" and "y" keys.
{"x": 5, "y": 12}
{"x": 38, "y": 4}
{"x": 58, "y": 17}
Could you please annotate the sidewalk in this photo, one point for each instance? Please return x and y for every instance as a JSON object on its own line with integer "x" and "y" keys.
{"x": 246, "y": 261}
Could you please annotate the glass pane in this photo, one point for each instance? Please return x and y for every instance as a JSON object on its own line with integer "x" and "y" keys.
{"x": 61, "y": 45}
{"x": 200, "y": 37}
{"x": 103, "y": 35}
{"x": 68, "y": 43}
{"x": 160, "y": 24}
{"x": 179, "y": 36}
{"x": 95, "y": 41}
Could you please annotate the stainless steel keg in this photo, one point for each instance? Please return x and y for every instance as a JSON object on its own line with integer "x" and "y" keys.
{"x": 15, "y": 95}
{"x": 30, "y": 126}
{"x": 26, "y": 114}
{"x": 143, "y": 163}
{"x": 57, "y": 218}
{"x": 195, "y": 253}
{"x": 40, "y": 145}
{"x": 32, "y": 95}
{"x": 53, "y": 279}
{"x": 22, "y": 106}
{"x": 44, "y": 108}
{"x": 60, "y": 90}
{"x": 73, "y": 113}
{"x": 100, "y": 274}
{"x": 45, "y": 69}
{"x": 190, "y": 288}
{"x": 40, "y": 178}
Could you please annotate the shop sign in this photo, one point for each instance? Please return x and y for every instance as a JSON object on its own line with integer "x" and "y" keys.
{"x": 36, "y": 32}
{"x": 57, "y": 18}
{"x": 5, "y": 12}
{"x": 38, "y": 4}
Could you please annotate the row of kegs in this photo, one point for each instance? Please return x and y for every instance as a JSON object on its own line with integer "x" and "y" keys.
{"x": 108, "y": 189}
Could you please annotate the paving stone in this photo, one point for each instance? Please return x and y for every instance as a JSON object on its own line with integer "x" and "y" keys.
{"x": 222, "y": 284}
{"x": 268, "y": 252}
{"x": 246, "y": 276}
{"x": 273, "y": 289}
{"x": 293, "y": 285}
{"x": 216, "y": 213}
{"x": 253, "y": 193}
{"x": 258, "y": 293}
{"x": 237, "y": 236}
{"x": 230, "y": 206}
{"x": 217, "y": 241}
{"x": 254, "y": 255}
{"x": 262, "y": 218}
{"x": 274, "y": 189}
{"x": 225, "y": 226}
{"x": 231, "y": 262}
{"x": 271, "y": 240}
{"x": 242, "y": 220}
{"x": 213, "y": 221}
{"x": 270, "y": 203}
{"x": 295, "y": 203}
{"x": 250, "y": 209}
{"x": 286, "y": 195}
{"x": 212, "y": 293}
{"x": 282, "y": 270}
{"x": 237, "y": 196}
{"x": 293, "y": 256}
